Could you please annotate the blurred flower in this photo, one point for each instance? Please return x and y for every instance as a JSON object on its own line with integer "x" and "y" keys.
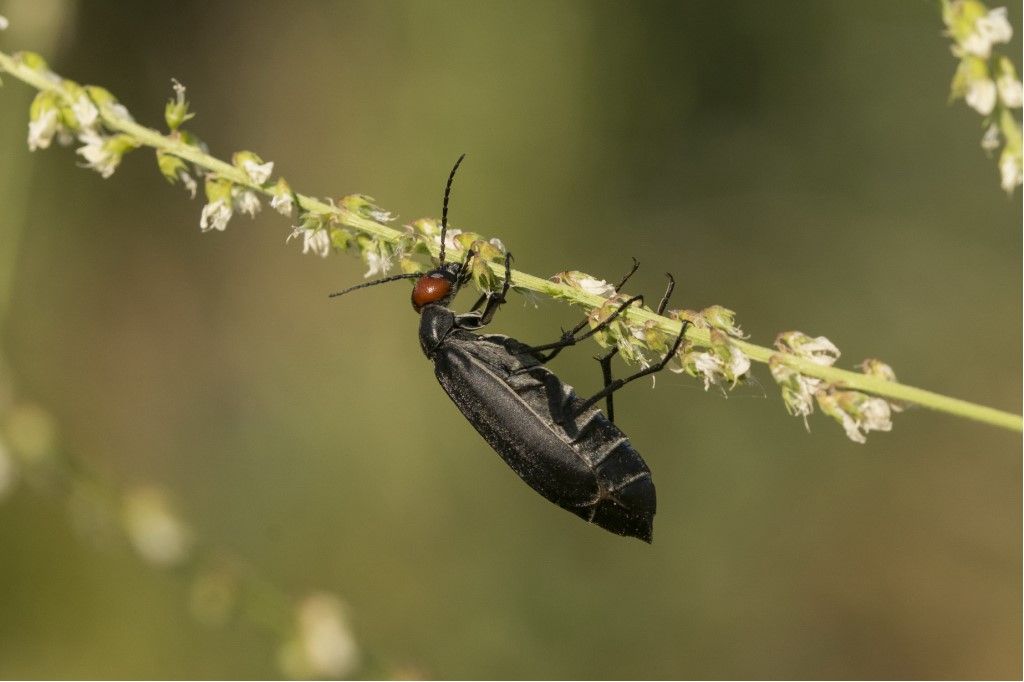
{"x": 157, "y": 534}
{"x": 364, "y": 206}
{"x": 991, "y": 140}
{"x": 988, "y": 83}
{"x": 283, "y": 200}
{"x": 103, "y": 154}
{"x": 282, "y": 203}
{"x": 974, "y": 27}
{"x": 189, "y": 183}
{"x": 707, "y": 367}
{"x": 585, "y": 283}
{"x": 323, "y": 645}
{"x": 718, "y": 317}
{"x": 315, "y": 240}
{"x": 981, "y": 96}
{"x": 876, "y": 368}
{"x": 247, "y": 201}
{"x": 797, "y": 390}
{"x": 41, "y": 129}
{"x": 858, "y": 412}
{"x": 215, "y": 216}
{"x": 377, "y": 263}
{"x": 1010, "y": 90}
{"x": 258, "y": 172}
{"x": 4, "y": 23}
{"x": 85, "y": 112}
{"x": 176, "y": 111}
{"x": 450, "y": 239}
{"x": 992, "y": 28}
{"x": 818, "y": 350}
{"x": 1010, "y": 170}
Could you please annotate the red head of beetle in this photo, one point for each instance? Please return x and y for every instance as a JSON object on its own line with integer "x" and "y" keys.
{"x": 430, "y": 288}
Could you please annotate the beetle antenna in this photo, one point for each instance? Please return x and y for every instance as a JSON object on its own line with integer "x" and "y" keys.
{"x": 444, "y": 206}
{"x": 383, "y": 280}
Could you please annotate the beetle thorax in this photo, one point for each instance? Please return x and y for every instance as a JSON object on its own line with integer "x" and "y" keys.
{"x": 436, "y": 322}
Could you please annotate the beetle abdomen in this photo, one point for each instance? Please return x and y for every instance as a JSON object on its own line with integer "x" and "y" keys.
{"x": 585, "y": 465}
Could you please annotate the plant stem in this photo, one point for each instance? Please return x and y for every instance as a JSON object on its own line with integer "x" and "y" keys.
{"x": 839, "y": 377}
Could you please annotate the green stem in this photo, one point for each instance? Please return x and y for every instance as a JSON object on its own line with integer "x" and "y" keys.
{"x": 847, "y": 379}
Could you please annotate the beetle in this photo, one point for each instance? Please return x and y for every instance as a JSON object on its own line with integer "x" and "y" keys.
{"x": 560, "y": 444}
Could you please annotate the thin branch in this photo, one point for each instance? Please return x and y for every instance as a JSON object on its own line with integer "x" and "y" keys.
{"x": 842, "y": 379}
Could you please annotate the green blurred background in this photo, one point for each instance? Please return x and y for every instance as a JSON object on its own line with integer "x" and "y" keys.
{"x": 795, "y": 162}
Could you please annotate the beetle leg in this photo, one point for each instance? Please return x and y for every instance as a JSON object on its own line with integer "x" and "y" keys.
{"x": 619, "y": 383}
{"x": 606, "y": 359}
{"x": 576, "y": 330}
{"x": 474, "y": 319}
{"x": 479, "y": 302}
{"x": 569, "y": 338}
{"x": 606, "y": 374}
{"x": 494, "y": 301}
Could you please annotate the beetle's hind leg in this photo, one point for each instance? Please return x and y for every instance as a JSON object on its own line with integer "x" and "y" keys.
{"x": 606, "y": 359}
{"x": 615, "y": 385}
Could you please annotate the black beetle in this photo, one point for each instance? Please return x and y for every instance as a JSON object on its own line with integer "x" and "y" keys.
{"x": 560, "y": 444}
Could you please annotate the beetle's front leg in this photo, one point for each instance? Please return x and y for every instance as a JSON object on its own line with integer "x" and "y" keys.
{"x": 493, "y": 301}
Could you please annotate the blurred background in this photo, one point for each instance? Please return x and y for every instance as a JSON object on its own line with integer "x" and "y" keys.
{"x": 797, "y": 163}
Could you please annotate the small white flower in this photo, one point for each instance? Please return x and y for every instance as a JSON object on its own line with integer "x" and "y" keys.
{"x": 247, "y": 202}
{"x": 597, "y": 287}
{"x": 283, "y": 203}
{"x": 97, "y": 153}
{"x": 118, "y": 110}
{"x": 739, "y": 364}
{"x": 995, "y": 27}
{"x": 449, "y": 239}
{"x": 1010, "y": 172}
{"x": 851, "y": 427}
{"x": 377, "y": 263}
{"x": 981, "y": 96}
{"x": 991, "y": 140}
{"x": 858, "y": 412}
{"x": 215, "y": 216}
{"x": 316, "y": 241}
{"x": 818, "y": 350}
{"x": 258, "y": 172}
{"x": 975, "y": 44}
{"x": 709, "y": 367}
{"x": 153, "y": 529}
{"x": 821, "y": 351}
{"x": 992, "y": 28}
{"x": 4, "y": 23}
{"x": 42, "y": 130}
{"x": 85, "y": 111}
{"x": 875, "y": 415}
{"x": 798, "y": 391}
{"x": 1010, "y": 91}
{"x": 189, "y": 183}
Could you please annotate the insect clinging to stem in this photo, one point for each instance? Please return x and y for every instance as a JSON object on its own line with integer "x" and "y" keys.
{"x": 560, "y": 444}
